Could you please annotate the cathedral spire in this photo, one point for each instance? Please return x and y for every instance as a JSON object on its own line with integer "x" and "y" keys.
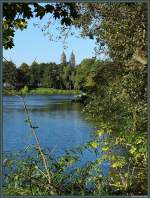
{"x": 63, "y": 59}
{"x": 72, "y": 60}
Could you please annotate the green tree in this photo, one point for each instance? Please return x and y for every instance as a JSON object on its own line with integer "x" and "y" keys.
{"x": 49, "y": 76}
{"x": 35, "y": 74}
{"x": 83, "y": 72}
{"x": 23, "y": 75}
{"x": 9, "y": 74}
{"x": 117, "y": 105}
{"x": 67, "y": 77}
{"x": 111, "y": 24}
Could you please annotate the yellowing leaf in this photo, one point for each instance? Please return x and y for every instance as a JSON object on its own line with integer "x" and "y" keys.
{"x": 94, "y": 144}
{"x": 132, "y": 150}
{"x": 99, "y": 132}
{"x": 104, "y": 149}
{"x": 139, "y": 141}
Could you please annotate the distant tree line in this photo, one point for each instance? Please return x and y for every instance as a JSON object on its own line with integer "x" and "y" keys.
{"x": 51, "y": 75}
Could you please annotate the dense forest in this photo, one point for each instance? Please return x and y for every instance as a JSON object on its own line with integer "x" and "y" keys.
{"x": 116, "y": 101}
{"x": 48, "y": 75}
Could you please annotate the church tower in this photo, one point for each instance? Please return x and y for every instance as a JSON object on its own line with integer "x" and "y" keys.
{"x": 72, "y": 60}
{"x": 63, "y": 59}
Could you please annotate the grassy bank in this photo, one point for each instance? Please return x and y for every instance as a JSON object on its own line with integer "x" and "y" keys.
{"x": 40, "y": 91}
{"x": 51, "y": 91}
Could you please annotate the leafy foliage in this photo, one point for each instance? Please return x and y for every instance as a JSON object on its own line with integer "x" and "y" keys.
{"x": 111, "y": 24}
{"x": 16, "y": 16}
{"x": 48, "y": 75}
{"x": 116, "y": 101}
{"x": 119, "y": 110}
{"x": 23, "y": 75}
{"x": 24, "y": 175}
{"x": 9, "y": 73}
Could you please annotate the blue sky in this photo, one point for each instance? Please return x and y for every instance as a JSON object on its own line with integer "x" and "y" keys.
{"x": 31, "y": 43}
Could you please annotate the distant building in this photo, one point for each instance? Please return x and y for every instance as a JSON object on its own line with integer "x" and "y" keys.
{"x": 72, "y": 62}
{"x": 63, "y": 59}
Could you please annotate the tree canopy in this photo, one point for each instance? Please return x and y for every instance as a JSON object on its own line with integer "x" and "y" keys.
{"x": 49, "y": 75}
{"x": 120, "y": 29}
{"x": 16, "y": 16}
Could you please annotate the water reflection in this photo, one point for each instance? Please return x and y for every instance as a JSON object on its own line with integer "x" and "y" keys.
{"x": 61, "y": 123}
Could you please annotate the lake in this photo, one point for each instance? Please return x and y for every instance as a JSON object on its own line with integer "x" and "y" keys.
{"x": 61, "y": 124}
{"x": 60, "y": 121}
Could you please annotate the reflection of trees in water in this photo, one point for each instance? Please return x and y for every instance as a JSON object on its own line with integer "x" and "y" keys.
{"x": 58, "y": 106}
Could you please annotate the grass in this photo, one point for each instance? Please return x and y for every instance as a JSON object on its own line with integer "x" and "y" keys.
{"x": 41, "y": 91}
{"x": 50, "y": 91}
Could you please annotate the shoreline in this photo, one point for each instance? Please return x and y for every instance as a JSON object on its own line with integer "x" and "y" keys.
{"x": 41, "y": 91}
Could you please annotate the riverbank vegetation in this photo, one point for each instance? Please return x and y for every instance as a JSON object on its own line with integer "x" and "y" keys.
{"x": 43, "y": 78}
{"x": 40, "y": 91}
{"x": 116, "y": 101}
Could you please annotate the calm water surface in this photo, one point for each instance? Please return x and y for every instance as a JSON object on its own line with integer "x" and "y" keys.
{"x": 60, "y": 121}
{"x": 61, "y": 124}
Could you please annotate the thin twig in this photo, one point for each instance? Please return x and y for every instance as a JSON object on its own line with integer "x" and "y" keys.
{"x": 6, "y": 59}
{"x": 36, "y": 139}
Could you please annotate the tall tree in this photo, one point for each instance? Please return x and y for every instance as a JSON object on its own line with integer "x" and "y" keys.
{"x": 120, "y": 29}
{"x": 83, "y": 73}
{"x": 35, "y": 74}
{"x": 9, "y": 74}
{"x": 50, "y": 76}
{"x": 23, "y": 75}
